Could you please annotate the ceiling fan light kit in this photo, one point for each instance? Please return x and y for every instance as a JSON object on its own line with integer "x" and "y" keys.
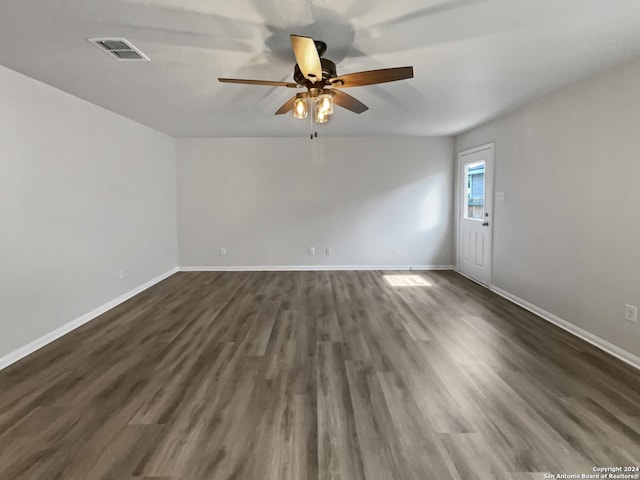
{"x": 319, "y": 76}
{"x": 319, "y": 100}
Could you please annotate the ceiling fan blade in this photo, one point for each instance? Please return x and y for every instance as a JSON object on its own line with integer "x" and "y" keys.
{"x": 287, "y": 107}
{"x": 306, "y": 53}
{"x": 347, "y": 101}
{"x": 268, "y": 83}
{"x": 372, "y": 77}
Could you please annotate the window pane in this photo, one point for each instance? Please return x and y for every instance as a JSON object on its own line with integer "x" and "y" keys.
{"x": 474, "y": 208}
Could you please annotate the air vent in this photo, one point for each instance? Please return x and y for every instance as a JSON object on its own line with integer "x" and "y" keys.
{"x": 119, "y": 48}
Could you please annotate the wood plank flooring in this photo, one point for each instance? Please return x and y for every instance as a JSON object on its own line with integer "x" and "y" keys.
{"x": 316, "y": 376}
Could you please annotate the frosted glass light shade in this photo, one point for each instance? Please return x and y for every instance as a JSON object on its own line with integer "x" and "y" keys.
{"x": 300, "y": 109}
{"x": 325, "y": 102}
{"x": 320, "y": 116}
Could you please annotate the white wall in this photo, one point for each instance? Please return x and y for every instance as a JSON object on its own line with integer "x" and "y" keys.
{"x": 567, "y": 238}
{"x": 84, "y": 193}
{"x": 268, "y": 200}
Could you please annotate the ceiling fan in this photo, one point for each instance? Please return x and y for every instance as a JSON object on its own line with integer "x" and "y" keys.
{"x": 318, "y": 75}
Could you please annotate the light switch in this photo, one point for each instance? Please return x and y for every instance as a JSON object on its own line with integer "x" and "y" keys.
{"x": 501, "y": 196}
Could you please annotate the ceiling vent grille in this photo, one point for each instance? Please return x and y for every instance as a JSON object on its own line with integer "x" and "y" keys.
{"x": 119, "y": 48}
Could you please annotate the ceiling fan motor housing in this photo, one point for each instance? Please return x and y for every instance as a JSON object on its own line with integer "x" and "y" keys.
{"x": 328, "y": 71}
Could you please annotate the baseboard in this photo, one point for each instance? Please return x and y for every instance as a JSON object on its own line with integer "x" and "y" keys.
{"x": 457, "y": 270}
{"x": 287, "y": 268}
{"x": 37, "y": 344}
{"x": 594, "y": 340}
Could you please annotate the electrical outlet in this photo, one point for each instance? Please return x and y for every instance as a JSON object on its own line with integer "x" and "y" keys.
{"x": 121, "y": 274}
{"x": 396, "y": 250}
{"x": 312, "y": 251}
{"x": 223, "y": 251}
{"x": 631, "y": 313}
{"x": 328, "y": 251}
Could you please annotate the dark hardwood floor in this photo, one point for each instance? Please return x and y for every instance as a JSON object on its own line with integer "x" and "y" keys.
{"x": 316, "y": 375}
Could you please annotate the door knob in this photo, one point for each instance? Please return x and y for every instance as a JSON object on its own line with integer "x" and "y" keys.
{"x": 485, "y": 224}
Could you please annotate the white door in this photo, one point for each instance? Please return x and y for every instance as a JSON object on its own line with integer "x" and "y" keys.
{"x": 475, "y": 199}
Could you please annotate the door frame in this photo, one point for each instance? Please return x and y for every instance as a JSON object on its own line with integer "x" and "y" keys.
{"x": 458, "y": 207}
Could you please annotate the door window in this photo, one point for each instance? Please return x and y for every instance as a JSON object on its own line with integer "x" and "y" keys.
{"x": 474, "y": 206}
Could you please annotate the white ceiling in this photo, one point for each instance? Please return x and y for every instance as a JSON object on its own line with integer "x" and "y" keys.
{"x": 473, "y": 59}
